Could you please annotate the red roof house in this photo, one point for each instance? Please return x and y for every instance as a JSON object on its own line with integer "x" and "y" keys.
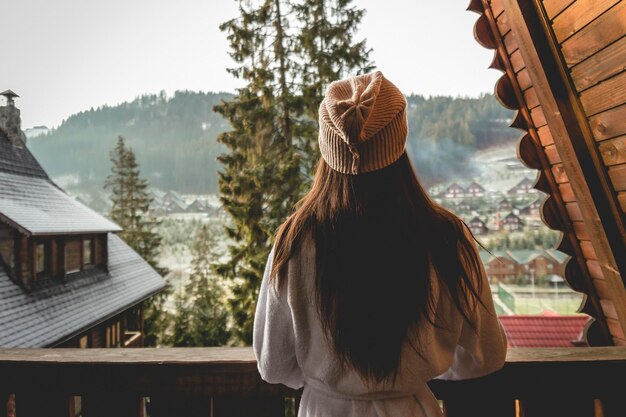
{"x": 546, "y": 330}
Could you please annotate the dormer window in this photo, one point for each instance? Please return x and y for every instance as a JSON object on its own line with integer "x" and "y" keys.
{"x": 40, "y": 257}
{"x": 87, "y": 251}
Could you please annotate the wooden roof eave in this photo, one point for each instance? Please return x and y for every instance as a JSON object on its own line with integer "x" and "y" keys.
{"x": 575, "y": 144}
{"x": 531, "y": 153}
{"x": 14, "y": 225}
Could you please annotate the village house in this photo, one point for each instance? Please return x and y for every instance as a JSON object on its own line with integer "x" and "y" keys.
{"x": 531, "y": 209}
{"x": 512, "y": 222}
{"x": 66, "y": 278}
{"x": 478, "y": 226}
{"x": 464, "y": 206}
{"x": 474, "y": 190}
{"x": 505, "y": 204}
{"x": 522, "y": 188}
{"x": 454, "y": 190}
{"x": 531, "y": 263}
{"x": 499, "y": 266}
{"x": 544, "y": 330}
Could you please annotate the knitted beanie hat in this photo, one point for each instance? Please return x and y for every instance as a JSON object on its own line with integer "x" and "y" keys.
{"x": 363, "y": 124}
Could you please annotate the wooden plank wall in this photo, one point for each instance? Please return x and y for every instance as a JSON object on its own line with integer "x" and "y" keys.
{"x": 7, "y": 245}
{"x": 557, "y": 184}
{"x": 592, "y": 38}
{"x": 73, "y": 254}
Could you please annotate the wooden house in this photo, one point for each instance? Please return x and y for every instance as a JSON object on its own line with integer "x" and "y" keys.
{"x": 505, "y": 204}
{"x": 478, "y": 226}
{"x": 522, "y": 188}
{"x": 500, "y": 266}
{"x": 464, "y": 206}
{"x": 511, "y": 222}
{"x": 454, "y": 190}
{"x": 197, "y": 206}
{"x": 547, "y": 330}
{"x": 530, "y": 209}
{"x": 505, "y": 265}
{"x": 475, "y": 190}
{"x": 66, "y": 279}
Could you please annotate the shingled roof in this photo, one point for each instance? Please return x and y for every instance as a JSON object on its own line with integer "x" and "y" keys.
{"x": 546, "y": 330}
{"x": 53, "y": 311}
{"x": 18, "y": 159}
{"x": 36, "y": 206}
{"x": 32, "y": 203}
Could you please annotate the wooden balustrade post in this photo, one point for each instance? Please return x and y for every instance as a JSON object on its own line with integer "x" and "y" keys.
{"x": 613, "y": 407}
{"x": 111, "y": 405}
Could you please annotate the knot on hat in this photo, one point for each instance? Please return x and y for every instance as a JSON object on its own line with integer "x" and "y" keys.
{"x": 351, "y": 113}
{"x": 362, "y": 124}
{"x": 355, "y": 111}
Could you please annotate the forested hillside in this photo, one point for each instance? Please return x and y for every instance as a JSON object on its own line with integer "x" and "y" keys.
{"x": 174, "y": 138}
{"x": 445, "y": 131}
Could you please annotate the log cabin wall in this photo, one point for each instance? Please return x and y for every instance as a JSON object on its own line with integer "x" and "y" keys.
{"x": 7, "y": 246}
{"x": 23, "y": 268}
{"x": 502, "y": 26}
{"x": 100, "y": 250}
{"x": 114, "y": 332}
{"x": 73, "y": 254}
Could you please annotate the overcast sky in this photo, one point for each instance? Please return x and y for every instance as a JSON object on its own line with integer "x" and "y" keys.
{"x": 64, "y": 56}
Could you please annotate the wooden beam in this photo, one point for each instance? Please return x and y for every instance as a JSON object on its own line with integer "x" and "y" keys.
{"x": 580, "y": 161}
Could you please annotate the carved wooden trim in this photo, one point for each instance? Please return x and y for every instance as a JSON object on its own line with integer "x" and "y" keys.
{"x": 531, "y": 153}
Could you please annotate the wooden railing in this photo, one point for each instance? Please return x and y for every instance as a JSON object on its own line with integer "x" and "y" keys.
{"x": 207, "y": 382}
{"x": 133, "y": 339}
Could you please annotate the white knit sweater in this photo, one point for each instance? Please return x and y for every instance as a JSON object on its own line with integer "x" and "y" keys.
{"x": 292, "y": 349}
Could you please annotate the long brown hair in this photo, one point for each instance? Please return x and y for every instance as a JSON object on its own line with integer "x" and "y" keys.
{"x": 376, "y": 237}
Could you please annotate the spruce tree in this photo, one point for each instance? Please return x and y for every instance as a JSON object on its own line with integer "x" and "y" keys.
{"x": 182, "y": 334}
{"x": 201, "y": 317}
{"x": 261, "y": 179}
{"x": 210, "y": 317}
{"x": 131, "y": 211}
{"x": 327, "y": 51}
{"x": 273, "y": 145}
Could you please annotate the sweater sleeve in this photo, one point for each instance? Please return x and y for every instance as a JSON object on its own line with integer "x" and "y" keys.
{"x": 480, "y": 350}
{"x": 273, "y": 338}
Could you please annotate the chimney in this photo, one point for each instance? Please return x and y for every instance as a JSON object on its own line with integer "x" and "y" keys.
{"x": 10, "y": 122}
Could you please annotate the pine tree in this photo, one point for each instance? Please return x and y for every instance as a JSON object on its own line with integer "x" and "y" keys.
{"x": 182, "y": 334}
{"x": 201, "y": 317}
{"x": 261, "y": 179}
{"x": 327, "y": 52}
{"x": 272, "y": 148}
{"x": 131, "y": 211}
{"x": 210, "y": 317}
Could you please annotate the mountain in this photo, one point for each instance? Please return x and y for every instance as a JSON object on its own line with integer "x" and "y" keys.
{"x": 174, "y": 138}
